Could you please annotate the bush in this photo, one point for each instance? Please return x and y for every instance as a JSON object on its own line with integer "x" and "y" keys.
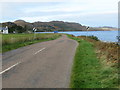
{"x": 93, "y": 37}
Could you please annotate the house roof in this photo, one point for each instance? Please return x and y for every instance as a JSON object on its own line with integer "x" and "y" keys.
{"x": 3, "y": 28}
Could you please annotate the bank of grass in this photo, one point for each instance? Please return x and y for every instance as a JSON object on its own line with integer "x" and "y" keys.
{"x": 89, "y": 71}
{"x": 14, "y": 41}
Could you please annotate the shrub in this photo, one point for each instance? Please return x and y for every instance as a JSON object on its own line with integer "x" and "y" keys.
{"x": 93, "y": 37}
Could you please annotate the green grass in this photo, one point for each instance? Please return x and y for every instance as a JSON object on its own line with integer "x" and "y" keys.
{"x": 14, "y": 41}
{"x": 90, "y": 72}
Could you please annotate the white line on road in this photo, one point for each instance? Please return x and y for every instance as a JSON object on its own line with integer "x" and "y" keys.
{"x": 9, "y": 68}
{"x": 39, "y": 50}
{"x": 18, "y": 63}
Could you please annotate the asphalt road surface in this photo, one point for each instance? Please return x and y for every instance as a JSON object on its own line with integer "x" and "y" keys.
{"x": 41, "y": 65}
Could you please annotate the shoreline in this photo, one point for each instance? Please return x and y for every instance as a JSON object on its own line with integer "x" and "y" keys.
{"x": 111, "y": 35}
{"x": 82, "y": 31}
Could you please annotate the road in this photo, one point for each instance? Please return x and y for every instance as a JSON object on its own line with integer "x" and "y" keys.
{"x": 41, "y": 65}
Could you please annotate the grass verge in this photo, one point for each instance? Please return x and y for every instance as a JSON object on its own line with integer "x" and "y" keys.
{"x": 14, "y": 41}
{"x": 90, "y": 72}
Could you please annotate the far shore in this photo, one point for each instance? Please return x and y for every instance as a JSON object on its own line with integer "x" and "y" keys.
{"x": 82, "y": 30}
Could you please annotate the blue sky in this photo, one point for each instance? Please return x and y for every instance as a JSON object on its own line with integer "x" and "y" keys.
{"x": 86, "y": 12}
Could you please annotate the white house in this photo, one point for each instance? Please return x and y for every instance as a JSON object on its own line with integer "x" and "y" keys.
{"x": 4, "y": 30}
{"x": 34, "y": 29}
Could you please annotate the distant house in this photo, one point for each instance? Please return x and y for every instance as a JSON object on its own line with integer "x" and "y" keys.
{"x": 34, "y": 29}
{"x": 4, "y": 30}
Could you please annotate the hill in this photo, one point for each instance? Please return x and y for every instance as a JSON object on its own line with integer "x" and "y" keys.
{"x": 105, "y": 28}
{"x": 45, "y": 26}
{"x": 21, "y": 26}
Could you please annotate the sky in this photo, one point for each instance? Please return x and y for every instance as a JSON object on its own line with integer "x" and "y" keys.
{"x": 94, "y": 13}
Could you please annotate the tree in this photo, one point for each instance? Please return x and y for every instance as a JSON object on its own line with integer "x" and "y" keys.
{"x": 16, "y": 28}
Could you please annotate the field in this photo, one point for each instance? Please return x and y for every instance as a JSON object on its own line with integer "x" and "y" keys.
{"x": 14, "y": 41}
{"x": 93, "y": 66}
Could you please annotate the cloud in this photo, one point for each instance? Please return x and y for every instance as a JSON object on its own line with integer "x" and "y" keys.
{"x": 74, "y": 6}
{"x": 67, "y": 16}
{"x": 93, "y": 19}
{"x": 54, "y": 9}
{"x": 32, "y": 0}
{"x": 89, "y": 1}
{"x": 99, "y": 13}
{"x": 67, "y": 10}
{"x": 47, "y": 18}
